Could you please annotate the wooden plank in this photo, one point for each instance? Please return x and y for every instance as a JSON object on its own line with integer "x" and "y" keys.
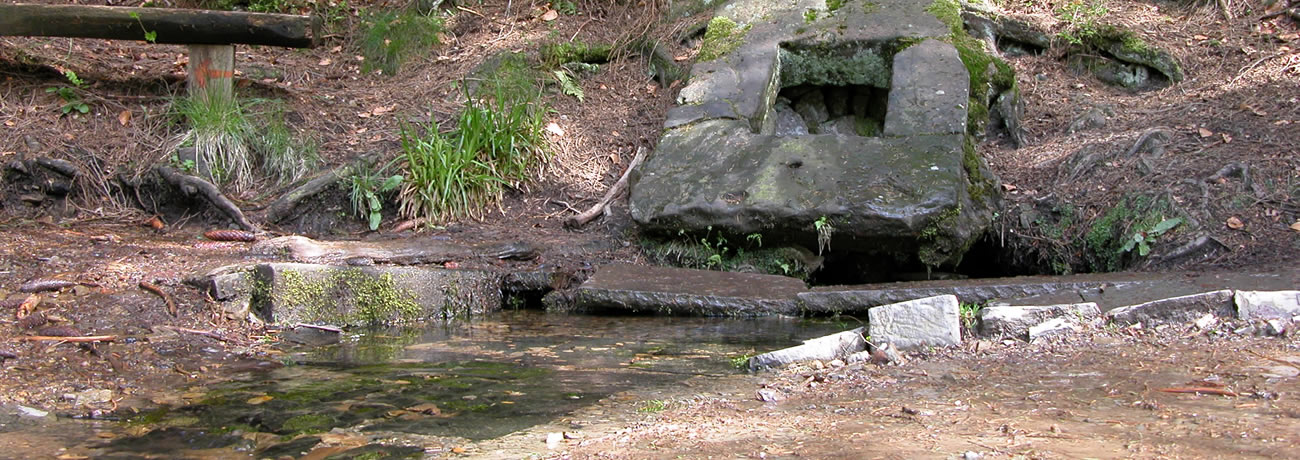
{"x": 174, "y": 26}
{"x": 212, "y": 72}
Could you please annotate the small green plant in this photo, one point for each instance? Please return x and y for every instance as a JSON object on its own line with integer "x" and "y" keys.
{"x": 150, "y": 36}
{"x": 568, "y": 85}
{"x": 652, "y": 406}
{"x": 1082, "y": 19}
{"x": 368, "y": 190}
{"x": 824, "y": 232}
{"x": 389, "y": 38}
{"x": 741, "y": 362}
{"x": 496, "y": 143}
{"x": 1142, "y": 240}
{"x": 71, "y": 100}
{"x": 565, "y": 7}
{"x": 969, "y": 313}
{"x": 833, "y": 5}
{"x": 809, "y": 15}
{"x": 186, "y": 166}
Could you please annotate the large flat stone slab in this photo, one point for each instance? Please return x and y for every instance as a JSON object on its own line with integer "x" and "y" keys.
{"x": 680, "y": 291}
{"x": 289, "y": 293}
{"x": 928, "y": 322}
{"x": 895, "y": 193}
{"x": 856, "y": 299}
{"x": 1182, "y": 309}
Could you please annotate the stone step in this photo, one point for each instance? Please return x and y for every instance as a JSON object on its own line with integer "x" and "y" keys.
{"x": 679, "y": 291}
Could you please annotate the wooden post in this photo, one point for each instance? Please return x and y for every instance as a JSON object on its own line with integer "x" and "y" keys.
{"x": 212, "y": 72}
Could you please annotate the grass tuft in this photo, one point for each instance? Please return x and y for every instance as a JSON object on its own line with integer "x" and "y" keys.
{"x": 496, "y": 143}
{"x": 389, "y": 38}
{"x": 235, "y": 145}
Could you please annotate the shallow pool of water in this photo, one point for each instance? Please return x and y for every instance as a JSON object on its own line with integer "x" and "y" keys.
{"x": 469, "y": 381}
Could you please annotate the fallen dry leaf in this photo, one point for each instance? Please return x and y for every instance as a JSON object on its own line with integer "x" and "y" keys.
{"x": 324, "y": 62}
{"x": 450, "y": 264}
{"x": 1204, "y": 132}
{"x": 1226, "y": 138}
{"x": 124, "y": 117}
{"x": 259, "y": 400}
{"x": 1200, "y": 37}
{"x": 1008, "y": 187}
{"x": 1296, "y": 226}
{"x": 1235, "y": 223}
{"x": 550, "y": 15}
{"x": 555, "y": 129}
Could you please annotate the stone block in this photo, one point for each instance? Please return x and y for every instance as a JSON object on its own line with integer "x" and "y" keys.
{"x": 1053, "y": 327}
{"x": 289, "y": 293}
{"x": 1017, "y": 321}
{"x": 1184, "y": 309}
{"x": 834, "y": 346}
{"x": 929, "y": 91}
{"x": 932, "y": 321}
{"x": 1267, "y": 304}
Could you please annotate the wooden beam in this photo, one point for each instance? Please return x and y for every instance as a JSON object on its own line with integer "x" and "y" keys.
{"x": 212, "y": 73}
{"x": 174, "y": 26}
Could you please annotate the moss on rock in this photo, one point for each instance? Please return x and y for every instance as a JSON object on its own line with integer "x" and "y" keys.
{"x": 721, "y": 37}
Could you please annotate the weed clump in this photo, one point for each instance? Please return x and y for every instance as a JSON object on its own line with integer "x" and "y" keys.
{"x": 497, "y": 141}
{"x": 389, "y": 38}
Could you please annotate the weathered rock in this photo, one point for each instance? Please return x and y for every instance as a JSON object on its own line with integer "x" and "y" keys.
{"x": 1184, "y": 309}
{"x": 1253, "y": 305}
{"x": 929, "y": 81}
{"x": 932, "y": 321}
{"x": 679, "y": 291}
{"x": 724, "y": 166}
{"x": 812, "y": 107}
{"x": 1053, "y": 327}
{"x": 1017, "y": 321}
{"x": 788, "y": 122}
{"x": 1109, "y": 71}
{"x": 290, "y": 293}
{"x": 834, "y": 346}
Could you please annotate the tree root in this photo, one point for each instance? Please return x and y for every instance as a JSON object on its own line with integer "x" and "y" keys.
{"x": 601, "y": 207}
{"x": 191, "y": 186}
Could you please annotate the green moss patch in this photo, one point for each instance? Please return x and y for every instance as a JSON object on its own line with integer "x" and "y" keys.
{"x": 721, "y": 37}
{"x": 374, "y": 299}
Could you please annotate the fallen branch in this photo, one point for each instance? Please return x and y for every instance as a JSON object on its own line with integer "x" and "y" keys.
{"x": 171, "y": 304}
{"x": 191, "y": 185}
{"x": 1201, "y": 391}
{"x": 603, "y": 205}
{"x": 70, "y": 339}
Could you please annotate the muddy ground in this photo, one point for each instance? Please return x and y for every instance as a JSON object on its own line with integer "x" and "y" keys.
{"x": 1240, "y": 105}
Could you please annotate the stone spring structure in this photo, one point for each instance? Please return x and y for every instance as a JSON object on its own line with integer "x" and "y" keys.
{"x": 857, "y": 117}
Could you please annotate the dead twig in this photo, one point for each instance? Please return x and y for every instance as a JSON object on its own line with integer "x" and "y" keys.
{"x": 603, "y": 205}
{"x": 72, "y": 339}
{"x": 171, "y": 304}
{"x": 1200, "y": 391}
